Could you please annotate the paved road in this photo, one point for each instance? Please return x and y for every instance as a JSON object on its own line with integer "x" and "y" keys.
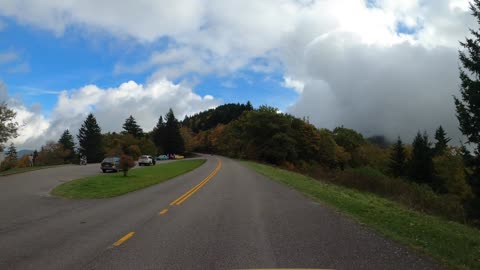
{"x": 235, "y": 219}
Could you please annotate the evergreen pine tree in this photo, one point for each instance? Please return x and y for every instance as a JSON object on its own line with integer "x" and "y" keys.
{"x": 468, "y": 105}
{"x": 131, "y": 127}
{"x": 68, "y": 144}
{"x": 173, "y": 141}
{"x": 249, "y": 106}
{"x": 442, "y": 141}
{"x": 12, "y": 152}
{"x": 90, "y": 139}
{"x": 35, "y": 155}
{"x": 421, "y": 164}
{"x": 158, "y": 134}
{"x": 398, "y": 159}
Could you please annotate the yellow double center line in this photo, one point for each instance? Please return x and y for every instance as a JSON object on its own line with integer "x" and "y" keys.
{"x": 179, "y": 200}
{"x": 189, "y": 193}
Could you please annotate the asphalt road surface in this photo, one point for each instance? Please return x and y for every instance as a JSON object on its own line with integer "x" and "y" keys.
{"x": 233, "y": 218}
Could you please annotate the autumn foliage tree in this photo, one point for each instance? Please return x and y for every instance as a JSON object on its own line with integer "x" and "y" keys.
{"x": 51, "y": 153}
{"x": 450, "y": 174}
{"x": 119, "y": 144}
{"x": 126, "y": 163}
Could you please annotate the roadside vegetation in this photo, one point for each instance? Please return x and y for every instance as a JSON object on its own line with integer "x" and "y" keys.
{"x": 116, "y": 184}
{"x": 430, "y": 176}
{"x": 451, "y": 243}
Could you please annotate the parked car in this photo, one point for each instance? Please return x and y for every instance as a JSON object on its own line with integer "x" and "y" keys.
{"x": 179, "y": 157}
{"x": 145, "y": 160}
{"x": 110, "y": 164}
{"x": 162, "y": 157}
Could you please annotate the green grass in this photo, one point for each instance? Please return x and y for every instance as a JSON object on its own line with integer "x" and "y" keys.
{"x": 26, "y": 169}
{"x": 456, "y": 245}
{"x": 115, "y": 184}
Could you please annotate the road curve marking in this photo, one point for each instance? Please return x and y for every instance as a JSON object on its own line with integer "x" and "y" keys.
{"x": 189, "y": 193}
{"x": 163, "y": 211}
{"x": 123, "y": 239}
{"x": 200, "y": 186}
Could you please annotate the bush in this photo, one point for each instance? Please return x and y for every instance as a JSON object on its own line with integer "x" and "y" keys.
{"x": 52, "y": 154}
{"x": 23, "y": 162}
{"x": 7, "y": 164}
{"x": 412, "y": 195}
{"x": 450, "y": 175}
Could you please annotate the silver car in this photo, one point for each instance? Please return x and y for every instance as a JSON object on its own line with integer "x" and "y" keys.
{"x": 145, "y": 160}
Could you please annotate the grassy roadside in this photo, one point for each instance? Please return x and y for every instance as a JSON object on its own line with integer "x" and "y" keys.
{"x": 26, "y": 169}
{"x": 115, "y": 184}
{"x": 453, "y": 244}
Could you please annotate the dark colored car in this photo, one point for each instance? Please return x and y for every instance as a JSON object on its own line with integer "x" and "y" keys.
{"x": 111, "y": 164}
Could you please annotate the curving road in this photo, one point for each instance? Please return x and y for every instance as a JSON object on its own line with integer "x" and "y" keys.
{"x": 233, "y": 219}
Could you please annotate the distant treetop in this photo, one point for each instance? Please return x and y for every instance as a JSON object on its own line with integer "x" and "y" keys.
{"x": 222, "y": 114}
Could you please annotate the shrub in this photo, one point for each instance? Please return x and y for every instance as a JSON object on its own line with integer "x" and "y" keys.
{"x": 412, "y": 195}
{"x": 51, "y": 154}
{"x": 7, "y": 164}
{"x": 23, "y": 162}
{"x": 450, "y": 175}
{"x": 126, "y": 163}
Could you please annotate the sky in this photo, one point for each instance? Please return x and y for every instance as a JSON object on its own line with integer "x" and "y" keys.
{"x": 382, "y": 67}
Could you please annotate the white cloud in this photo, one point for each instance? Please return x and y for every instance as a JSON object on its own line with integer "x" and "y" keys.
{"x": 111, "y": 107}
{"x": 394, "y": 91}
{"x": 294, "y": 84}
{"x": 33, "y": 128}
{"x": 141, "y": 19}
{"x": 353, "y": 66}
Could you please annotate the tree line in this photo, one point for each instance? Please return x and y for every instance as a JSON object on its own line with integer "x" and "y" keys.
{"x": 95, "y": 145}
